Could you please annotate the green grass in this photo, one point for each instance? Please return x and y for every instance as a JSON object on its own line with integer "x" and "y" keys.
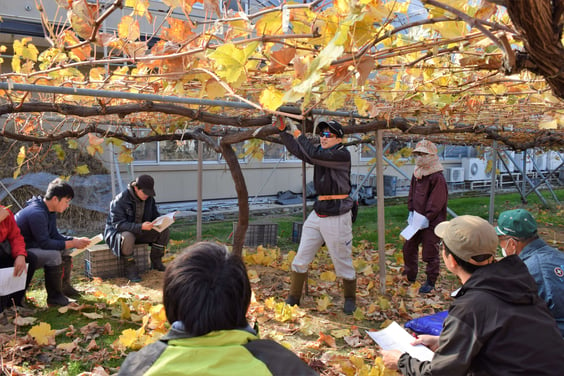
{"x": 395, "y": 213}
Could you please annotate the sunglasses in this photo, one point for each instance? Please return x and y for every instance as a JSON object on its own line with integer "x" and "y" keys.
{"x": 327, "y": 134}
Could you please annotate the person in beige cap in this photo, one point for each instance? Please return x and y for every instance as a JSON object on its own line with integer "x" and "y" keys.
{"x": 517, "y": 232}
{"x": 130, "y": 222}
{"x": 428, "y": 196}
{"x": 497, "y": 324}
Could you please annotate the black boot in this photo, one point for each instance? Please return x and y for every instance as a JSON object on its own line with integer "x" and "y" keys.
{"x": 68, "y": 290}
{"x": 157, "y": 253}
{"x": 131, "y": 269}
{"x": 54, "y": 286}
{"x": 349, "y": 288}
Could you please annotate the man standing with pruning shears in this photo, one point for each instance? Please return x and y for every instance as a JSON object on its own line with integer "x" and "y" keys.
{"x": 330, "y": 222}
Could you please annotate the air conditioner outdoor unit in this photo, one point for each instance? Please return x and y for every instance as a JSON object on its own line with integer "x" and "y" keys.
{"x": 519, "y": 162}
{"x": 510, "y": 166}
{"x": 541, "y": 161}
{"x": 554, "y": 159}
{"x": 454, "y": 174}
{"x": 475, "y": 169}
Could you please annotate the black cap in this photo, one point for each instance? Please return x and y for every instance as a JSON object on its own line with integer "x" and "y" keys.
{"x": 146, "y": 184}
{"x": 334, "y": 127}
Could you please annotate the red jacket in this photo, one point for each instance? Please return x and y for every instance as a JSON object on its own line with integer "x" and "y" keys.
{"x": 9, "y": 230}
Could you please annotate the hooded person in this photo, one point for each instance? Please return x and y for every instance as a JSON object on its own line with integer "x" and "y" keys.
{"x": 428, "y": 196}
{"x": 497, "y": 324}
{"x": 129, "y": 222}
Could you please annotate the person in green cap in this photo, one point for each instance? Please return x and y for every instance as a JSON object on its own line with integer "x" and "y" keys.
{"x": 517, "y": 233}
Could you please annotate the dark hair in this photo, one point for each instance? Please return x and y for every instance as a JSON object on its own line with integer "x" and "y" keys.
{"x": 207, "y": 289}
{"x": 465, "y": 265}
{"x": 60, "y": 189}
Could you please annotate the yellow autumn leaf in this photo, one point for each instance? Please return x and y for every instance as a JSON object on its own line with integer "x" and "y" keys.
{"x": 125, "y": 311}
{"x": 93, "y": 149}
{"x": 158, "y": 312}
{"x": 340, "y": 333}
{"x": 328, "y": 276}
{"x": 549, "y": 124}
{"x": 59, "y": 152}
{"x": 271, "y": 98}
{"x": 230, "y": 60}
{"x": 358, "y": 314}
{"x": 284, "y": 312}
{"x": 323, "y": 303}
{"x": 269, "y": 24}
{"x": 42, "y": 334}
{"x": 82, "y": 169}
{"x": 128, "y": 337}
{"x": 128, "y": 28}
{"x": 384, "y": 303}
{"x": 125, "y": 157}
{"x": 214, "y": 89}
{"x": 72, "y": 143}
{"x": 140, "y": 7}
{"x": 270, "y": 303}
{"x": 253, "y": 276}
{"x": 97, "y": 74}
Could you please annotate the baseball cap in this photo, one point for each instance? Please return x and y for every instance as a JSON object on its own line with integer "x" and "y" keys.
{"x": 518, "y": 223}
{"x": 334, "y": 127}
{"x": 426, "y": 146}
{"x": 467, "y": 236}
{"x": 146, "y": 184}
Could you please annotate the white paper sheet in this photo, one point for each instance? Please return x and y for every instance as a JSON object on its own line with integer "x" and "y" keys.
{"x": 394, "y": 337}
{"x": 415, "y": 223}
{"x": 10, "y": 284}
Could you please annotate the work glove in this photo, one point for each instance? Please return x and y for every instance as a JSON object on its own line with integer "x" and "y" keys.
{"x": 294, "y": 128}
{"x": 279, "y": 123}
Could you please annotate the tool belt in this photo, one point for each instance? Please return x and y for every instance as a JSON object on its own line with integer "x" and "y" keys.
{"x": 331, "y": 197}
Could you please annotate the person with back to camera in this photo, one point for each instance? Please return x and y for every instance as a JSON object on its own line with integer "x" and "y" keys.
{"x": 428, "y": 196}
{"x": 206, "y": 295}
{"x": 497, "y": 324}
{"x": 130, "y": 222}
{"x": 13, "y": 254}
{"x": 330, "y": 222}
{"x": 517, "y": 232}
{"x": 38, "y": 225}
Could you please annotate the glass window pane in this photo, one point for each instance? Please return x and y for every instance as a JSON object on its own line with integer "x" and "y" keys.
{"x": 146, "y": 152}
{"x": 273, "y": 151}
{"x": 186, "y": 150}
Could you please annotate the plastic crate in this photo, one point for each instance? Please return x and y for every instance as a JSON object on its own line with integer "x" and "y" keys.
{"x": 297, "y": 231}
{"x": 99, "y": 261}
{"x": 260, "y": 234}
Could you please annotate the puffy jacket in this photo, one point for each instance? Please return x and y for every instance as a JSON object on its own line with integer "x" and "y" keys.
{"x": 498, "y": 325}
{"x": 10, "y": 231}
{"x": 224, "y": 352}
{"x": 39, "y": 226}
{"x": 546, "y": 265}
{"x": 125, "y": 215}
{"x": 331, "y": 172}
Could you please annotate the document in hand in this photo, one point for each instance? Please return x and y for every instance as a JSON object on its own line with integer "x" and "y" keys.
{"x": 394, "y": 337}
{"x": 162, "y": 222}
{"x": 94, "y": 240}
{"x": 417, "y": 222}
{"x": 10, "y": 284}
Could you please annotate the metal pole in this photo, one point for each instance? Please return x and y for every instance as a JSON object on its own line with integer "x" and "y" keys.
{"x": 380, "y": 211}
{"x": 493, "y": 181}
{"x": 200, "y": 190}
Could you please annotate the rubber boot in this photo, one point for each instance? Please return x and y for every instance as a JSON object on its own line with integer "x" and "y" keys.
{"x": 68, "y": 290}
{"x": 157, "y": 252}
{"x": 296, "y": 287}
{"x": 54, "y": 286}
{"x": 349, "y": 288}
{"x": 131, "y": 270}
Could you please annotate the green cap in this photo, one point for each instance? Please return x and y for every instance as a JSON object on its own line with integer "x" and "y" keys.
{"x": 517, "y": 223}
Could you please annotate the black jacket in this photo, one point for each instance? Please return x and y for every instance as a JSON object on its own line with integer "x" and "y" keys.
{"x": 498, "y": 326}
{"x": 331, "y": 173}
{"x": 123, "y": 216}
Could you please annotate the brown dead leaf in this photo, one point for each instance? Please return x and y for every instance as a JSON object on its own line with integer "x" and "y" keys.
{"x": 327, "y": 339}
